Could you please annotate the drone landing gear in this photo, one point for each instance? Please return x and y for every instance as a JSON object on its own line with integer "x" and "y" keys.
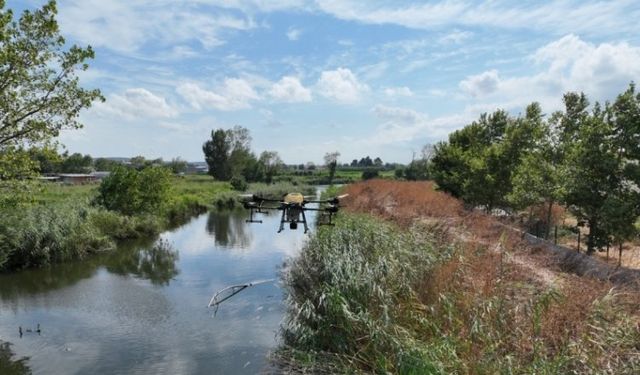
{"x": 328, "y": 215}
{"x": 252, "y": 210}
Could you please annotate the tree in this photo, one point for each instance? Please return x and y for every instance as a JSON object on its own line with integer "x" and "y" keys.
{"x": 177, "y": 165}
{"x": 39, "y": 90}
{"x": 271, "y": 164}
{"x": 77, "y": 163}
{"x": 331, "y": 162}
{"x": 47, "y": 159}
{"x": 216, "y": 154}
{"x": 377, "y": 162}
{"x": 133, "y": 192}
{"x": 104, "y": 164}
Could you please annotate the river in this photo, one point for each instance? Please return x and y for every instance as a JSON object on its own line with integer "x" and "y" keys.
{"x": 142, "y": 308}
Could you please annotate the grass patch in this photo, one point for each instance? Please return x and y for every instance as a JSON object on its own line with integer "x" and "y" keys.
{"x": 368, "y": 297}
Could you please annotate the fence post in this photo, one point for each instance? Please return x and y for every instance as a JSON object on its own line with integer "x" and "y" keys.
{"x": 578, "y": 239}
{"x": 607, "y": 251}
{"x": 555, "y": 235}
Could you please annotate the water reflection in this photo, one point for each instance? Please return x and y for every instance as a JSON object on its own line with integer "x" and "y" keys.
{"x": 97, "y": 319}
{"x": 9, "y": 365}
{"x": 155, "y": 263}
{"x": 229, "y": 230}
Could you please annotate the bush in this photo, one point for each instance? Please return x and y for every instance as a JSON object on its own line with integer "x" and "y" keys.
{"x": 370, "y": 173}
{"x": 41, "y": 235}
{"x": 131, "y": 192}
{"x": 239, "y": 183}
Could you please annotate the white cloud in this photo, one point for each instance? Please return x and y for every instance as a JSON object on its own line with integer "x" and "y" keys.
{"x": 583, "y": 16}
{"x": 405, "y": 125}
{"x": 568, "y": 64}
{"x": 233, "y": 94}
{"x": 294, "y": 34}
{"x": 341, "y": 85}
{"x": 126, "y": 26}
{"x": 398, "y": 91}
{"x": 455, "y": 37}
{"x": 290, "y": 90}
{"x": 136, "y": 103}
{"x": 481, "y": 84}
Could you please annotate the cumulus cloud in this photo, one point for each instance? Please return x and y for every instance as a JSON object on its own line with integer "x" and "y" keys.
{"x": 290, "y": 90}
{"x": 294, "y": 34}
{"x": 341, "y": 85}
{"x": 403, "y": 125}
{"x": 481, "y": 84}
{"x": 233, "y": 94}
{"x": 398, "y": 91}
{"x": 136, "y": 103}
{"x": 567, "y": 64}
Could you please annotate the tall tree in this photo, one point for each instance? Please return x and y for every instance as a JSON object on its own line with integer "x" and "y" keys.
{"x": 331, "y": 162}
{"x": 271, "y": 164}
{"x": 216, "y": 154}
{"x": 39, "y": 90}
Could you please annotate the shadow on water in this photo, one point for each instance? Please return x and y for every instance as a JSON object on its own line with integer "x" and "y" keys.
{"x": 9, "y": 365}
{"x": 229, "y": 229}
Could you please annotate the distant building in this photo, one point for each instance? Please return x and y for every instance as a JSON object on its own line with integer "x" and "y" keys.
{"x": 100, "y": 175}
{"x": 77, "y": 178}
{"x": 197, "y": 167}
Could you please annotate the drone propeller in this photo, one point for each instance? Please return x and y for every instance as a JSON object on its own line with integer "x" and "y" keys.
{"x": 334, "y": 200}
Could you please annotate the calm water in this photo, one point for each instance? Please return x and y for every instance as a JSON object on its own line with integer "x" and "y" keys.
{"x": 142, "y": 309}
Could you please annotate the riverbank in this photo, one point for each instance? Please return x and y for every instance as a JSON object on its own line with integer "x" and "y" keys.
{"x": 63, "y": 222}
{"x": 409, "y": 282}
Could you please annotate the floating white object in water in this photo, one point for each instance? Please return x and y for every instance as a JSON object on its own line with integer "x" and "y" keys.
{"x": 230, "y": 291}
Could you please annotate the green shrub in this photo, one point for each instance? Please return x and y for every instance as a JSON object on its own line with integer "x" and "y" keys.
{"x": 370, "y": 173}
{"x": 239, "y": 183}
{"x": 131, "y": 192}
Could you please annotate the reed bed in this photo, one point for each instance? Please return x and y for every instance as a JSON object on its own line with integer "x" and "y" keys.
{"x": 408, "y": 295}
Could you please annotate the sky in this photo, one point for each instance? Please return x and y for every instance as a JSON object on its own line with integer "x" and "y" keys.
{"x": 307, "y": 77}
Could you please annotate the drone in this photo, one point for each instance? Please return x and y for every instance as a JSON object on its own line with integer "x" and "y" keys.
{"x": 293, "y": 207}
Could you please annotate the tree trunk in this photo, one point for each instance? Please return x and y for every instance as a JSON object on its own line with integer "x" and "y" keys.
{"x": 591, "y": 241}
{"x": 548, "y": 229}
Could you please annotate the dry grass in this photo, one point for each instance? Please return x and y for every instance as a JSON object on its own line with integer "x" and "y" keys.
{"x": 506, "y": 295}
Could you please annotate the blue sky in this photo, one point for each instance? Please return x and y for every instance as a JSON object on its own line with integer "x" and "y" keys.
{"x": 377, "y": 78}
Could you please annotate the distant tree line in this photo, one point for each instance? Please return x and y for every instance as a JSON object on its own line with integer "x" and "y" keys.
{"x": 47, "y": 160}
{"x": 229, "y": 157}
{"x": 584, "y": 157}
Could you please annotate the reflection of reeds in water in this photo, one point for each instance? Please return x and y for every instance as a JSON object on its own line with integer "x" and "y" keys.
{"x": 9, "y": 365}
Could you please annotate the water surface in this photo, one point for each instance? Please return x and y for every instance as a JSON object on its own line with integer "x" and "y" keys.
{"x": 142, "y": 308}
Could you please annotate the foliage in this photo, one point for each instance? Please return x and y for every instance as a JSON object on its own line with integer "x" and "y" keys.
{"x": 10, "y": 365}
{"x": 40, "y": 235}
{"x": 130, "y": 192}
{"x": 39, "y": 95}
{"x": 76, "y": 163}
{"x": 584, "y": 157}
{"x": 331, "y": 161}
{"x": 349, "y": 293}
{"x": 370, "y": 173}
{"x": 270, "y": 163}
{"x": 239, "y": 183}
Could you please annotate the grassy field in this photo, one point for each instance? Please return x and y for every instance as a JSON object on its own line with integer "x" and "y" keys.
{"x": 409, "y": 282}
{"x": 321, "y": 176}
{"x": 64, "y": 222}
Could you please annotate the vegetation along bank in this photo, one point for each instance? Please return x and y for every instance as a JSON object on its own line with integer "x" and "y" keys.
{"x": 410, "y": 282}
